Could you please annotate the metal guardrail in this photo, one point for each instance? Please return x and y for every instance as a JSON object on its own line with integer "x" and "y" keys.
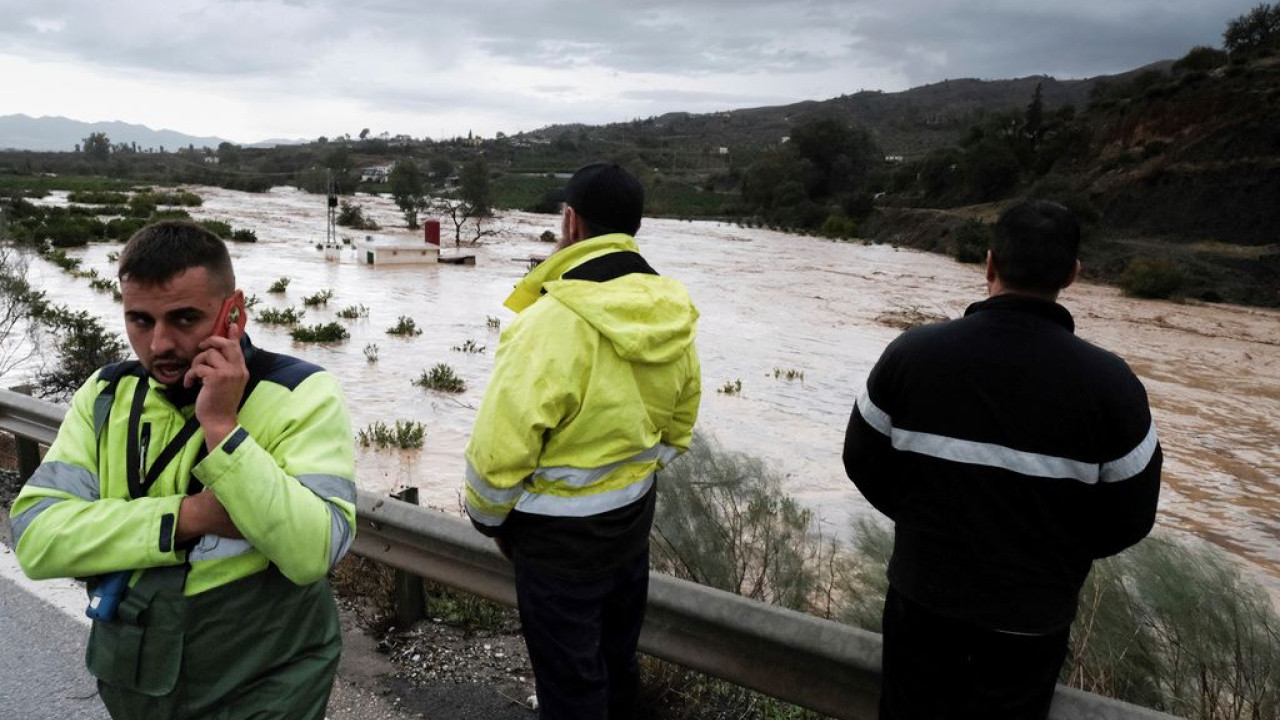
{"x": 815, "y": 663}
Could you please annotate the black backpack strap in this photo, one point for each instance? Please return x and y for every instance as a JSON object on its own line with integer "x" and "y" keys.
{"x": 107, "y": 395}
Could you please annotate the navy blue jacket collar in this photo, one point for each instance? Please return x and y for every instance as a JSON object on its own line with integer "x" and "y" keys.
{"x": 1047, "y": 309}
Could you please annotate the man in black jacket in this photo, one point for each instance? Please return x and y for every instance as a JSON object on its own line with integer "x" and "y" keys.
{"x": 1010, "y": 454}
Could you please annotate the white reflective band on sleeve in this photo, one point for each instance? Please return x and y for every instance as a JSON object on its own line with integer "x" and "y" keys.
{"x": 329, "y": 486}
{"x": 340, "y": 536}
{"x": 583, "y": 505}
{"x": 497, "y": 496}
{"x": 1005, "y": 458}
{"x": 874, "y": 416}
{"x": 585, "y": 477}
{"x": 67, "y": 478}
{"x": 483, "y": 517}
{"x": 19, "y": 524}
{"x": 1133, "y": 463}
{"x": 996, "y": 456}
{"x": 216, "y": 547}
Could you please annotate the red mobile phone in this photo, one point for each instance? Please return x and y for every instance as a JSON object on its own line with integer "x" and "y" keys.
{"x": 232, "y": 313}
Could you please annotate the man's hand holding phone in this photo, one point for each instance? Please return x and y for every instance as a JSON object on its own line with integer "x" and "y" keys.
{"x": 221, "y": 370}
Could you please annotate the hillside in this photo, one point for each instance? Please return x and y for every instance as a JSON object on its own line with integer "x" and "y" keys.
{"x": 23, "y": 132}
{"x": 909, "y": 123}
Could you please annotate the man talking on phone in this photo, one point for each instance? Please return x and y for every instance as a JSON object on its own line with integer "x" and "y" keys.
{"x": 204, "y": 491}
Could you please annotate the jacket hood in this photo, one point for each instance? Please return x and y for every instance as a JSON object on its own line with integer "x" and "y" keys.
{"x": 648, "y": 318}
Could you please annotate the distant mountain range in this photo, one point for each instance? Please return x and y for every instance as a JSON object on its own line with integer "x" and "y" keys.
{"x": 59, "y": 134}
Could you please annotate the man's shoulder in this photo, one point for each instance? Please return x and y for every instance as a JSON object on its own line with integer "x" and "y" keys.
{"x": 283, "y": 370}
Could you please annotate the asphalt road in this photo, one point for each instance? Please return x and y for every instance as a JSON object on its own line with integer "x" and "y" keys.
{"x": 42, "y": 673}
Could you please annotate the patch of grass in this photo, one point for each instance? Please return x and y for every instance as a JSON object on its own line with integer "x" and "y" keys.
{"x": 353, "y": 312}
{"x": 789, "y": 374}
{"x": 905, "y": 318}
{"x": 441, "y": 377}
{"x": 404, "y": 326}
{"x": 62, "y": 260}
{"x": 731, "y": 388}
{"x": 454, "y": 607}
{"x": 244, "y": 235}
{"x": 275, "y": 316}
{"x": 370, "y": 589}
{"x": 104, "y": 285}
{"x": 98, "y": 197}
{"x": 325, "y": 332}
{"x": 279, "y": 286}
{"x": 470, "y": 347}
{"x": 971, "y": 242}
{"x": 723, "y": 521}
{"x": 492, "y": 322}
{"x": 371, "y": 353}
{"x": 405, "y": 435}
{"x": 1152, "y": 278}
{"x": 221, "y": 228}
{"x": 320, "y": 298}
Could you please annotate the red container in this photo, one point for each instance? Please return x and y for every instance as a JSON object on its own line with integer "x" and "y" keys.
{"x": 431, "y": 232}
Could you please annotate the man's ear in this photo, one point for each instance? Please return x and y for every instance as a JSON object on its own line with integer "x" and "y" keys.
{"x": 991, "y": 268}
{"x": 1072, "y": 277}
{"x": 575, "y": 225}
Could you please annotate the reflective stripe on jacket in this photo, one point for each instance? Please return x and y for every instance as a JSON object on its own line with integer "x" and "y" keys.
{"x": 595, "y": 386}
{"x": 285, "y": 475}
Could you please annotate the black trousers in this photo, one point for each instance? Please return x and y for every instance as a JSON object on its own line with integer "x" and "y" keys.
{"x": 581, "y": 632}
{"x": 938, "y": 667}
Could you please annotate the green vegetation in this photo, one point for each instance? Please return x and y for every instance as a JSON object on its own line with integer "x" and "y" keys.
{"x": 405, "y": 435}
{"x": 492, "y": 322}
{"x": 322, "y": 333}
{"x": 274, "y": 316}
{"x": 409, "y": 190}
{"x": 972, "y": 241}
{"x": 352, "y": 216}
{"x": 279, "y": 286}
{"x": 371, "y": 353}
{"x": 1156, "y": 278}
{"x": 352, "y": 312}
{"x": 788, "y": 374}
{"x": 104, "y": 285}
{"x": 441, "y": 377}
{"x": 731, "y": 388}
{"x": 1255, "y": 32}
{"x": 404, "y": 326}
{"x": 98, "y": 197}
{"x": 220, "y": 228}
{"x": 244, "y": 235}
{"x": 1142, "y": 633}
{"x": 320, "y": 298}
{"x": 470, "y": 347}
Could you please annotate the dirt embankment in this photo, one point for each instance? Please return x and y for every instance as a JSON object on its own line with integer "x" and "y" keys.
{"x": 1213, "y": 270}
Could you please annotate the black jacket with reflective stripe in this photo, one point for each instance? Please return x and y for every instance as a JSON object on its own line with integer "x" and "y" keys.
{"x": 1010, "y": 454}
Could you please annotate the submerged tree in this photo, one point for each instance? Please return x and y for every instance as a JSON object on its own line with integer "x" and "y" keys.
{"x": 408, "y": 190}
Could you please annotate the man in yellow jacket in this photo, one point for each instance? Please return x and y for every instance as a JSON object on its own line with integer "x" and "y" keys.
{"x": 595, "y": 388}
{"x": 214, "y": 480}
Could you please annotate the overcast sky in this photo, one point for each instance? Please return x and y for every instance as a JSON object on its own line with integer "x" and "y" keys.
{"x": 249, "y": 70}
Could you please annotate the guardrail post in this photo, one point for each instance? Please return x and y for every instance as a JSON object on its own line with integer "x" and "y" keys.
{"x": 410, "y": 601}
{"x": 26, "y": 449}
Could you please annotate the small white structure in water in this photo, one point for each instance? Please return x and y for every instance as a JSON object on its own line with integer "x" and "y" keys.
{"x": 395, "y": 252}
{"x": 402, "y": 252}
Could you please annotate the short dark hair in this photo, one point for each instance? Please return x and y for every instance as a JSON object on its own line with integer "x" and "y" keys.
{"x": 1035, "y": 245}
{"x": 166, "y": 248}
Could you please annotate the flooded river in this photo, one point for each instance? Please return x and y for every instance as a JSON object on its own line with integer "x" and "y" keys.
{"x": 769, "y": 301}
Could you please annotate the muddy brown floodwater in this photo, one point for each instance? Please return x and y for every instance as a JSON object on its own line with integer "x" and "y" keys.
{"x": 769, "y": 301}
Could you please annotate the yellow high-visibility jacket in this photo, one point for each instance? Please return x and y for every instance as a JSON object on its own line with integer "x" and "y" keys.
{"x": 595, "y": 387}
{"x": 285, "y": 475}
